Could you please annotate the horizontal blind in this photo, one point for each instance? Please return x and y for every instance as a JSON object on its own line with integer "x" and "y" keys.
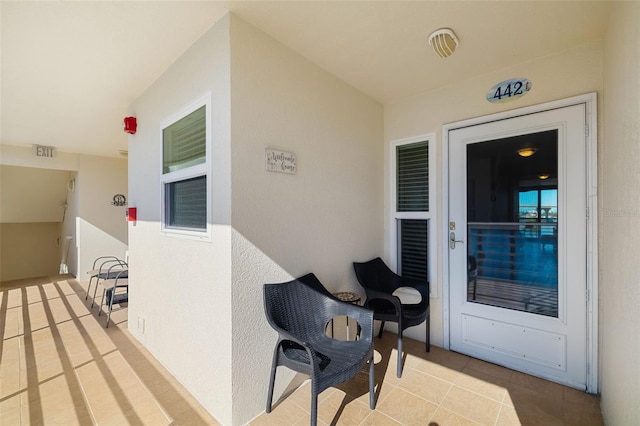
{"x": 184, "y": 142}
{"x": 186, "y": 203}
{"x": 413, "y": 177}
{"x": 413, "y": 254}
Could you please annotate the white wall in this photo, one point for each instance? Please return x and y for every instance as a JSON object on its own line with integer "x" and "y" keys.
{"x": 29, "y": 194}
{"x": 561, "y": 75}
{"x": 320, "y": 219}
{"x": 182, "y": 287}
{"x": 31, "y": 211}
{"x": 620, "y": 219}
{"x": 202, "y": 301}
{"x": 101, "y": 228}
{"x": 29, "y": 250}
{"x": 96, "y": 227}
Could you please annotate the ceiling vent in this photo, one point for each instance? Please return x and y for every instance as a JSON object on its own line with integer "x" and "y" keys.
{"x": 444, "y": 42}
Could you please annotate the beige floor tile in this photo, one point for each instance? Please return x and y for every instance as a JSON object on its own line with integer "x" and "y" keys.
{"x": 527, "y": 401}
{"x": 535, "y": 384}
{"x": 12, "y": 324}
{"x": 518, "y": 416}
{"x": 74, "y": 371}
{"x": 358, "y": 385}
{"x": 446, "y": 417}
{"x": 196, "y": 417}
{"x": 284, "y": 413}
{"x": 476, "y": 365}
{"x": 483, "y": 384}
{"x": 10, "y": 416}
{"x": 438, "y": 370}
{"x": 33, "y": 295}
{"x": 472, "y": 406}
{"x": 407, "y": 408}
{"x": 176, "y": 401}
{"x": 425, "y": 386}
{"x": 340, "y": 408}
{"x": 10, "y": 391}
{"x": 452, "y": 360}
{"x": 378, "y": 419}
{"x": 59, "y": 310}
{"x": 10, "y": 356}
{"x": 58, "y": 400}
{"x": 11, "y": 295}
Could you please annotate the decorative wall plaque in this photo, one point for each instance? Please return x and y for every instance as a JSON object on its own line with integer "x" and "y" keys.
{"x": 280, "y": 161}
{"x": 119, "y": 200}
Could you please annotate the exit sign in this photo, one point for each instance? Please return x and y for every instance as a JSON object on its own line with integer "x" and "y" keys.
{"x": 44, "y": 151}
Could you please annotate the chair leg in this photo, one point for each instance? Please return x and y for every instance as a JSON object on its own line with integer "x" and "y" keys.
{"x": 101, "y": 302}
{"x": 381, "y": 329}
{"x": 272, "y": 380}
{"x": 110, "y": 298}
{"x": 372, "y": 383}
{"x": 86, "y": 296}
{"x": 95, "y": 291}
{"x": 314, "y": 408}
{"x": 428, "y": 327}
{"x": 270, "y": 394}
{"x": 399, "y": 352}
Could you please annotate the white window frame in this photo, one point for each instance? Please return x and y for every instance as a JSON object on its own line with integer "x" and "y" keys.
{"x": 186, "y": 173}
{"x": 431, "y": 214}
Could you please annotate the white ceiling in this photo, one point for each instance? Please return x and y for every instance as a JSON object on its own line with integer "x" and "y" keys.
{"x": 70, "y": 69}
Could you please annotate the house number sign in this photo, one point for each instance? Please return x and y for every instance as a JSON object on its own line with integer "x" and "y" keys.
{"x": 509, "y": 90}
{"x": 280, "y": 161}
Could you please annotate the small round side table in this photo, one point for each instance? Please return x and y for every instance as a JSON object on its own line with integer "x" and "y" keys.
{"x": 349, "y": 297}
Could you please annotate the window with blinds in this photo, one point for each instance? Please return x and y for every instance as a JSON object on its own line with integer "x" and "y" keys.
{"x": 413, "y": 177}
{"x": 186, "y": 201}
{"x": 412, "y": 217}
{"x": 413, "y": 253}
{"x": 184, "y": 142}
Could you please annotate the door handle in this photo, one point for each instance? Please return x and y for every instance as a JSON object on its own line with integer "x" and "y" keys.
{"x": 453, "y": 241}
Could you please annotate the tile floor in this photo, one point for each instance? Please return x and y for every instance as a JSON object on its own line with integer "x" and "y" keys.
{"x": 59, "y": 365}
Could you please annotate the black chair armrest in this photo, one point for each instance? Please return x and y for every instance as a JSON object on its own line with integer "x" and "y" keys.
{"x": 375, "y": 294}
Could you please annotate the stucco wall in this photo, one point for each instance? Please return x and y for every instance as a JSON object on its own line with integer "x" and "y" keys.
{"x": 202, "y": 301}
{"x": 620, "y": 218}
{"x": 29, "y": 250}
{"x": 101, "y": 228}
{"x": 96, "y": 227}
{"x": 320, "y": 219}
{"x": 181, "y": 288}
{"x": 573, "y": 72}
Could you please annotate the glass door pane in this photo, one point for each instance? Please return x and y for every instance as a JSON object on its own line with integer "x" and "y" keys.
{"x": 512, "y": 219}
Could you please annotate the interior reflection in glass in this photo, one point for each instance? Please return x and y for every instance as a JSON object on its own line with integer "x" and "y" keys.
{"x": 512, "y": 218}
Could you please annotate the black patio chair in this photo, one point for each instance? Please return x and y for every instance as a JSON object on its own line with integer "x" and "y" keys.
{"x": 379, "y": 283}
{"x": 312, "y": 281}
{"x": 300, "y": 315}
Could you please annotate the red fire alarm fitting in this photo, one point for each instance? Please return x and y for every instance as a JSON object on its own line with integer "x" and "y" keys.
{"x": 130, "y": 125}
{"x": 132, "y": 214}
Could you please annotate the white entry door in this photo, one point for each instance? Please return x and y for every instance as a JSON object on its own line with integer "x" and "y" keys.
{"x": 518, "y": 243}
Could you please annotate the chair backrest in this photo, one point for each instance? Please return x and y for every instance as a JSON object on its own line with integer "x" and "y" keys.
{"x": 296, "y": 308}
{"x": 312, "y": 281}
{"x": 375, "y": 275}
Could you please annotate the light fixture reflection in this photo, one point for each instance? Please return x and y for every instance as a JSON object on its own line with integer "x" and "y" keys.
{"x": 543, "y": 176}
{"x": 526, "y": 152}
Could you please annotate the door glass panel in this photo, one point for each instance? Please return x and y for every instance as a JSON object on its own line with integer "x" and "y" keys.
{"x": 512, "y": 219}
